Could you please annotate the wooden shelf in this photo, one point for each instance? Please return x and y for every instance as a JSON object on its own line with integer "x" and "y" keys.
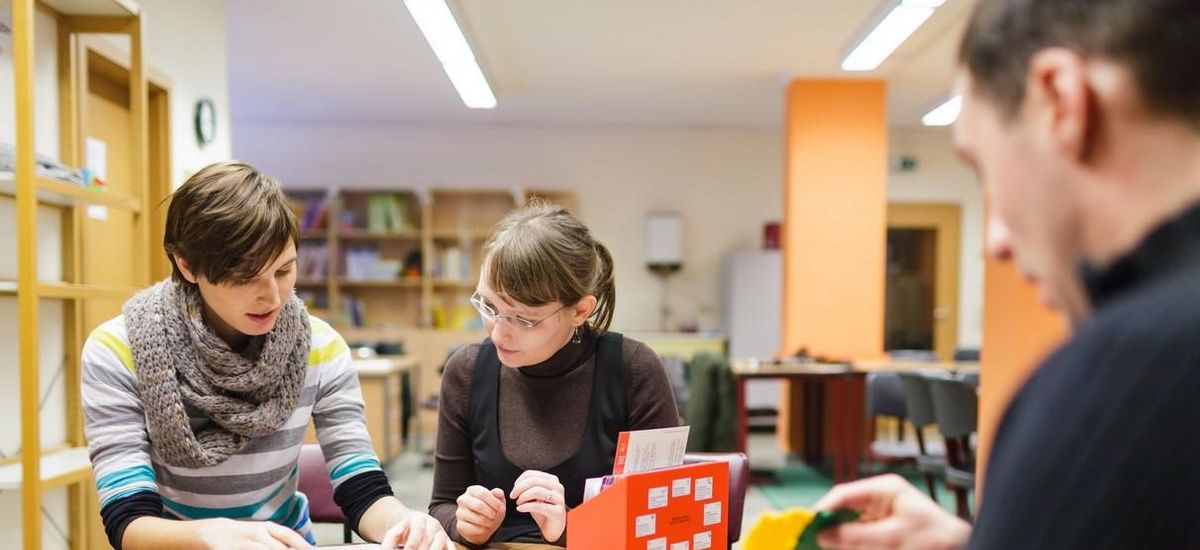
{"x": 58, "y": 193}
{"x": 398, "y": 283}
{"x": 363, "y": 235}
{"x": 116, "y": 8}
{"x": 58, "y": 468}
{"x": 71, "y": 291}
{"x": 313, "y": 234}
{"x": 455, "y": 285}
{"x": 68, "y": 464}
{"x": 436, "y": 222}
{"x": 475, "y": 235}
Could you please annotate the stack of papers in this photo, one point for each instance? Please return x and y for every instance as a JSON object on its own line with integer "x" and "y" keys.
{"x": 640, "y": 451}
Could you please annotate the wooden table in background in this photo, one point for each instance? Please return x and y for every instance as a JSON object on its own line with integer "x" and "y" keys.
{"x": 845, "y": 386}
{"x": 381, "y": 381}
{"x": 845, "y": 389}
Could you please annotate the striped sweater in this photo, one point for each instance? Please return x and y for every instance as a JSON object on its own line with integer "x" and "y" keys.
{"x": 256, "y": 483}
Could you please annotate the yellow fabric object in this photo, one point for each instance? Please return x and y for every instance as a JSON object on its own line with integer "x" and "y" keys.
{"x": 778, "y": 531}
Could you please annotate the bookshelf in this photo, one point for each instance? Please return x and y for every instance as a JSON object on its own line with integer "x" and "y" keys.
{"x": 416, "y": 255}
{"x": 82, "y": 289}
{"x": 398, "y": 258}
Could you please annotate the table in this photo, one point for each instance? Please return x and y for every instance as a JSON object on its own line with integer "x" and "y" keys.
{"x": 380, "y": 381}
{"x": 497, "y": 546}
{"x": 846, "y": 384}
{"x": 516, "y": 546}
{"x": 955, "y": 367}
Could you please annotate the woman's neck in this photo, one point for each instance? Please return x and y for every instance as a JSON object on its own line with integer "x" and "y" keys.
{"x": 232, "y": 337}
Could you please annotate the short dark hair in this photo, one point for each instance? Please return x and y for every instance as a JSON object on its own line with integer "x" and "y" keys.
{"x": 1155, "y": 39}
{"x": 227, "y": 222}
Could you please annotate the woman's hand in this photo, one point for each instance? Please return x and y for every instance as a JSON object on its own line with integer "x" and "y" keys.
{"x": 228, "y": 534}
{"x": 480, "y": 513}
{"x": 541, "y": 495}
{"x": 416, "y": 531}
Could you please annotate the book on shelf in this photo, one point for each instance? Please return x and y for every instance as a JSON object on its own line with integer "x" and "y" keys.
{"x": 312, "y": 260}
{"x": 352, "y": 311}
{"x": 454, "y": 264}
{"x": 455, "y": 316}
{"x": 387, "y": 214}
{"x": 364, "y": 263}
{"x": 312, "y": 214}
{"x": 317, "y": 303}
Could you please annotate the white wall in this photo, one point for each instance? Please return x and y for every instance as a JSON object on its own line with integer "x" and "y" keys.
{"x": 727, "y": 182}
{"x": 186, "y": 42}
{"x": 941, "y": 177}
{"x": 45, "y": 94}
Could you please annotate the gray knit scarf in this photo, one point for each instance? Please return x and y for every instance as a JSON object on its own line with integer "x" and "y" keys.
{"x": 180, "y": 361}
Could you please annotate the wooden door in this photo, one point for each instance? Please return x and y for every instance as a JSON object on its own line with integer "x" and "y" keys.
{"x": 944, "y": 220}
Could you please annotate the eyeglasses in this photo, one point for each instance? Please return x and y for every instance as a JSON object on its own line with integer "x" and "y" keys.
{"x": 489, "y": 313}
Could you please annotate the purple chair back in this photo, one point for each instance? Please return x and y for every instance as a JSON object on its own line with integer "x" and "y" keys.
{"x": 739, "y": 478}
{"x": 314, "y": 483}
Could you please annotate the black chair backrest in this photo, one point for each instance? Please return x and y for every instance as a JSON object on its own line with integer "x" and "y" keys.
{"x": 917, "y": 399}
{"x": 966, "y": 354}
{"x": 925, "y": 355}
{"x": 956, "y": 407}
{"x": 885, "y": 395}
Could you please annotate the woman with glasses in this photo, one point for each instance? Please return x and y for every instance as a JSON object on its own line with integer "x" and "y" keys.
{"x": 535, "y": 409}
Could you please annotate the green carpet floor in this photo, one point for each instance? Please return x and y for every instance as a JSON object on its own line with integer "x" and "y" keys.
{"x": 799, "y": 484}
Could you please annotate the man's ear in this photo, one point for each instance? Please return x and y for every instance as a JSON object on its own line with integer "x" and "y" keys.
{"x": 184, "y": 269}
{"x": 1059, "y": 101}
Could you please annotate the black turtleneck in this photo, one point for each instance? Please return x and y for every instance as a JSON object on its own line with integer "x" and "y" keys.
{"x": 1101, "y": 447}
{"x": 543, "y": 413}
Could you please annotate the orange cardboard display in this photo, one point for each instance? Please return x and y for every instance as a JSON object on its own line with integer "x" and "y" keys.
{"x": 679, "y": 508}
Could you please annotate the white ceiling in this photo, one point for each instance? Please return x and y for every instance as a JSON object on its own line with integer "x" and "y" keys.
{"x": 672, "y": 62}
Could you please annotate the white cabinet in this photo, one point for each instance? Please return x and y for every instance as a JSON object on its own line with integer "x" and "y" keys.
{"x": 752, "y": 284}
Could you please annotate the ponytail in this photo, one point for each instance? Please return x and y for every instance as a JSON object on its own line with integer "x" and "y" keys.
{"x": 604, "y": 289}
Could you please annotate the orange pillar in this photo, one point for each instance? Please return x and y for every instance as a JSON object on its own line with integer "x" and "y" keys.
{"x": 1018, "y": 333}
{"x": 834, "y": 224}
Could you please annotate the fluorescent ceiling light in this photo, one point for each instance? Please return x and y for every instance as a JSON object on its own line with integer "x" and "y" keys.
{"x": 895, "y": 27}
{"x": 944, "y": 114}
{"x": 451, "y": 48}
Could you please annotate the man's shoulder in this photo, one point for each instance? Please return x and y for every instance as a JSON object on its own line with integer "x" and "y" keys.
{"x": 1111, "y": 405}
{"x": 1155, "y": 322}
{"x": 1137, "y": 355}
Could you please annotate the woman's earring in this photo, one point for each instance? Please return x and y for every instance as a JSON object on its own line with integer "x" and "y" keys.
{"x": 577, "y": 339}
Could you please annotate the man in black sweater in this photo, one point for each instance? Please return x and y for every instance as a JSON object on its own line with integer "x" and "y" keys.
{"x": 1082, "y": 119}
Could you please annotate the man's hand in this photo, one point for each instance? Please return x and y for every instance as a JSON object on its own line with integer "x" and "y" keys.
{"x": 895, "y": 516}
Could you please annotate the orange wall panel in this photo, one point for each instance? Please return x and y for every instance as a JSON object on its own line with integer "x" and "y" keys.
{"x": 835, "y": 217}
{"x": 1018, "y": 333}
{"x": 835, "y": 225}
